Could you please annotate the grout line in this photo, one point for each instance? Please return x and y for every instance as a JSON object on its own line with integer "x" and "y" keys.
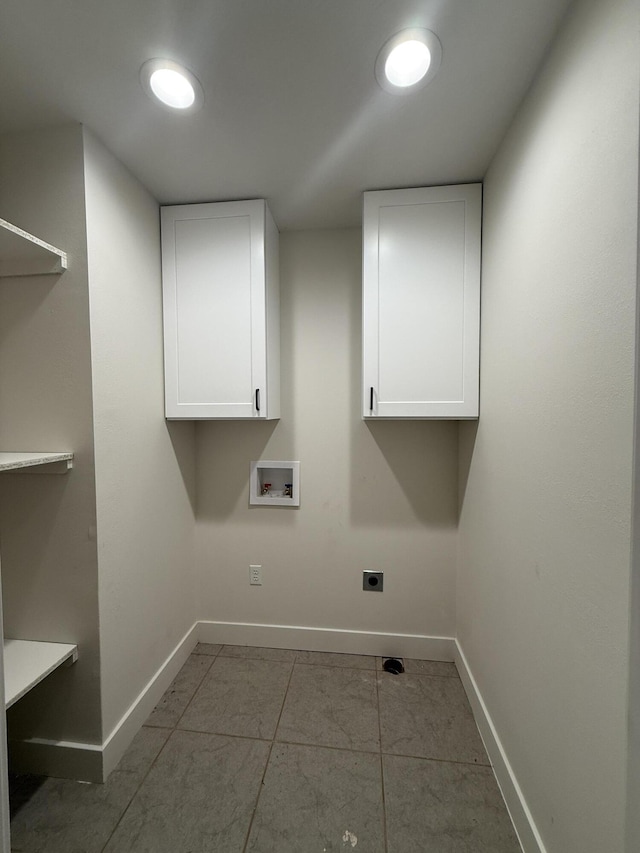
{"x": 425, "y": 675}
{"x": 160, "y": 751}
{"x": 336, "y": 666}
{"x": 428, "y": 675}
{"x": 198, "y": 686}
{"x": 171, "y": 730}
{"x": 266, "y": 764}
{"x": 340, "y": 668}
{"x": 325, "y": 746}
{"x": 406, "y": 674}
{"x": 207, "y": 654}
{"x": 328, "y": 746}
{"x": 221, "y": 734}
{"x": 297, "y": 662}
{"x": 384, "y": 804}
{"x": 439, "y": 760}
{"x": 375, "y": 658}
{"x": 287, "y": 742}
{"x": 213, "y": 655}
{"x": 135, "y": 793}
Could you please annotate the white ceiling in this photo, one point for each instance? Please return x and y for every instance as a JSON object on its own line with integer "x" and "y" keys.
{"x": 292, "y": 110}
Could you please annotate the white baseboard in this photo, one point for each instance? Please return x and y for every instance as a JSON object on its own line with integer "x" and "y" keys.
{"x": 94, "y": 762}
{"x": 521, "y": 817}
{"x": 64, "y": 759}
{"x": 328, "y": 640}
{"x": 125, "y": 730}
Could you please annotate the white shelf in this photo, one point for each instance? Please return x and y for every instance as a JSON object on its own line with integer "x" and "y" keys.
{"x": 23, "y": 254}
{"x": 44, "y": 463}
{"x": 27, "y": 662}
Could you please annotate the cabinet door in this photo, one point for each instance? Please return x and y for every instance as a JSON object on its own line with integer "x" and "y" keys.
{"x": 214, "y": 289}
{"x": 421, "y": 302}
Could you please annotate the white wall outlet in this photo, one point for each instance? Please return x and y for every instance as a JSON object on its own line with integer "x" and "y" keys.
{"x": 255, "y": 575}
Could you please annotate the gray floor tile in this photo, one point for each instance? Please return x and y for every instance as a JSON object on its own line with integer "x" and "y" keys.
{"x": 316, "y": 799}
{"x": 428, "y": 717}
{"x": 258, "y": 653}
{"x": 198, "y": 797}
{"x": 430, "y": 667}
{"x": 63, "y": 816}
{"x": 331, "y": 707}
{"x": 207, "y": 649}
{"x": 335, "y": 659}
{"x": 239, "y": 697}
{"x": 171, "y": 707}
{"x": 438, "y": 807}
{"x": 322, "y": 789}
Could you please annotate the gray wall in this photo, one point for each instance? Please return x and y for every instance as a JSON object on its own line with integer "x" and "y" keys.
{"x": 543, "y": 579}
{"x": 144, "y": 465}
{"x": 543, "y": 484}
{"x": 103, "y": 556}
{"x": 373, "y": 496}
{"x": 47, "y": 522}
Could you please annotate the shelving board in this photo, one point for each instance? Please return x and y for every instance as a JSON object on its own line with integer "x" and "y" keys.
{"x": 27, "y": 662}
{"x": 23, "y": 254}
{"x": 43, "y": 462}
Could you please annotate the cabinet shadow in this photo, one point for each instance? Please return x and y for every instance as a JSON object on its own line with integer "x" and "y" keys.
{"x": 182, "y": 438}
{"x": 224, "y": 451}
{"x": 467, "y": 434}
{"x": 404, "y": 471}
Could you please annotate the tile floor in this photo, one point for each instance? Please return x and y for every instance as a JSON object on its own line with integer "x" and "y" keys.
{"x": 269, "y": 751}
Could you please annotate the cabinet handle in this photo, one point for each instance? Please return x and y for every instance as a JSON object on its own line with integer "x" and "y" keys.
{"x": 371, "y": 399}
{"x": 257, "y": 399}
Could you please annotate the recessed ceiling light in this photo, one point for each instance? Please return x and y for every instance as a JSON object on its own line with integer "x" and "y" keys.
{"x": 172, "y": 84}
{"x": 408, "y": 61}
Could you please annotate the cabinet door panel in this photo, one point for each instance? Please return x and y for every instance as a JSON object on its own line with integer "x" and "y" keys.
{"x": 421, "y": 302}
{"x": 219, "y": 275}
{"x": 213, "y": 310}
{"x": 421, "y": 299}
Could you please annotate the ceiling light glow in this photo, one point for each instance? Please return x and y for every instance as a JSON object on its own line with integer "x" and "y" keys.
{"x": 172, "y": 88}
{"x": 408, "y": 61}
{"x": 172, "y": 85}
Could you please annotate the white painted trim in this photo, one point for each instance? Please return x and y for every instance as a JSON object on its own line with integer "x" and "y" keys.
{"x": 521, "y": 817}
{"x": 125, "y": 730}
{"x": 94, "y": 762}
{"x": 64, "y": 759}
{"x": 417, "y": 646}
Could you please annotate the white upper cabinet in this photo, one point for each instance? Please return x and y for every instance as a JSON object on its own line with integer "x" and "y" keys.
{"x": 421, "y": 302}
{"x": 221, "y": 311}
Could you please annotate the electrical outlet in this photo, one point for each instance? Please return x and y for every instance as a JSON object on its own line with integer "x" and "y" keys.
{"x": 255, "y": 575}
{"x": 373, "y": 581}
